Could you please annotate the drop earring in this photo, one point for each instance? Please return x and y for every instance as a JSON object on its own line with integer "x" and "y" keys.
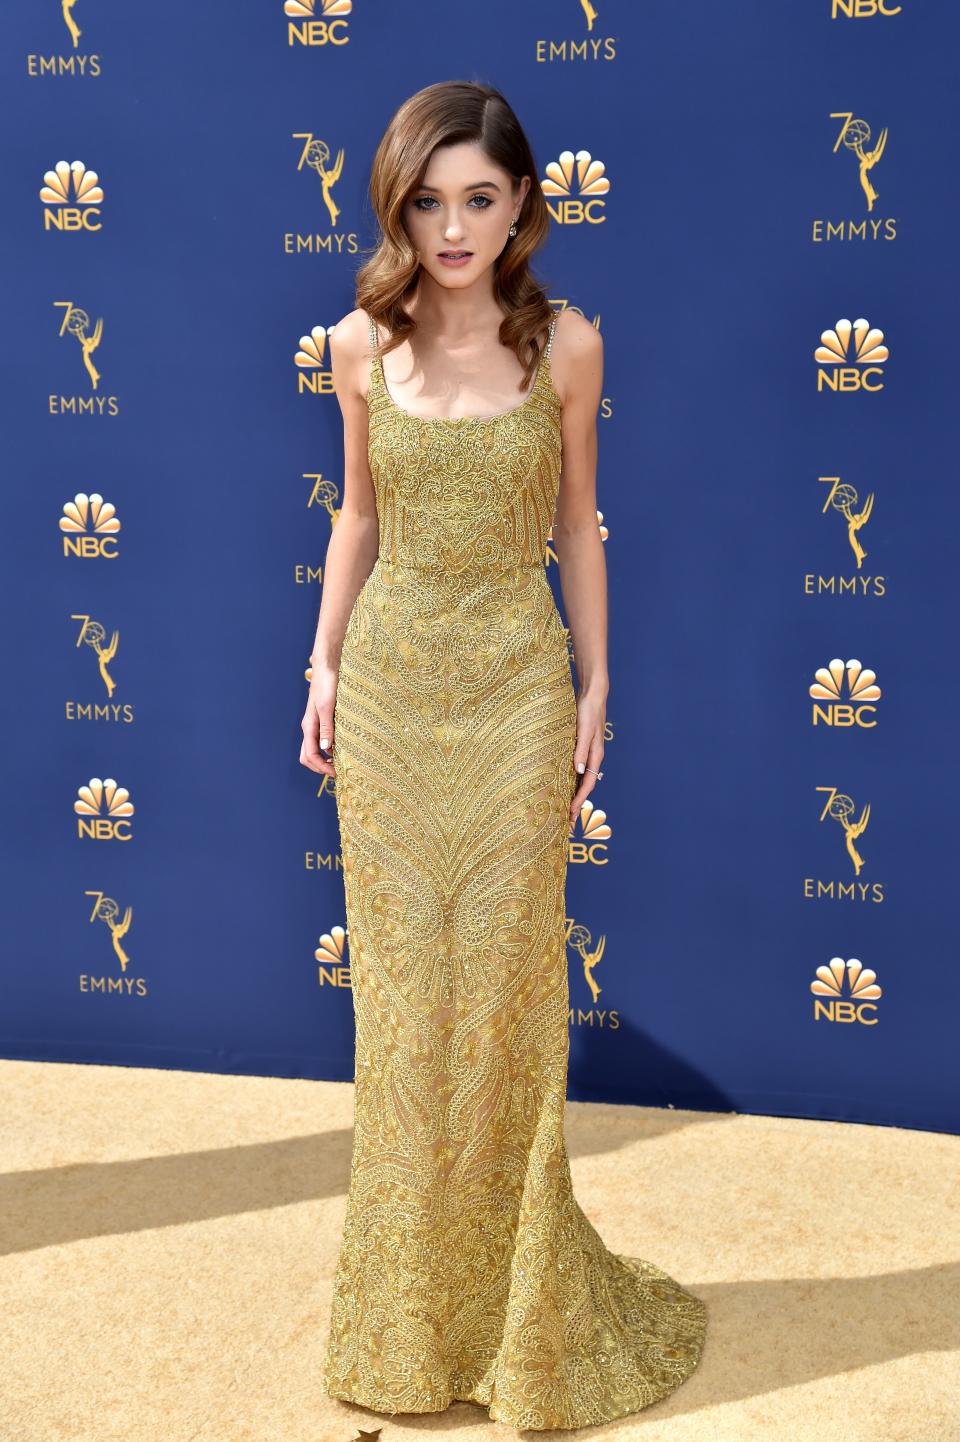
{"x": 513, "y": 228}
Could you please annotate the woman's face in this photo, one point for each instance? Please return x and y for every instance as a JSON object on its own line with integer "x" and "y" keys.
{"x": 464, "y": 203}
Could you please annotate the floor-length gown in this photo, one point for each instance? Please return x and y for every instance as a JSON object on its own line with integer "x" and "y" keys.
{"x": 467, "y": 1270}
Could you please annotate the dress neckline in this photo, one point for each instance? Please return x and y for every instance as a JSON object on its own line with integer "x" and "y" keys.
{"x": 543, "y": 360}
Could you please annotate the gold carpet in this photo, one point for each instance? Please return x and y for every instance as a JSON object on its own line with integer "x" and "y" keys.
{"x": 170, "y": 1236}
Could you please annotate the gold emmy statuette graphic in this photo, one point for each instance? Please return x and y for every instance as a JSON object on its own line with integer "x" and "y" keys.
{"x": 66, "y": 183}
{"x": 75, "y": 322}
{"x": 316, "y": 155}
{"x": 326, "y": 494}
{"x": 107, "y": 910}
{"x": 862, "y": 690}
{"x": 855, "y": 136}
{"x": 309, "y": 358}
{"x": 834, "y": 350}
{"x": 64, "y": 62}
{"x": 579, "y": 938}
{"x": 333, "y": 967}
{"x": 574, "y": 47}
{"x": 846, "y": 1003}
{"x": 588, "y": 176}
{"x": 840, "y": 808}
{"x": 92, "y": 634}
{"x": 104, "y": 809}
{"x": 843, "y": 497}
{"x": 67, "y": 8}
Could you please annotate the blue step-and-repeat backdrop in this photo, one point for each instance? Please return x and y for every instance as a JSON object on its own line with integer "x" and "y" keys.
{"x": 749, "y": 201}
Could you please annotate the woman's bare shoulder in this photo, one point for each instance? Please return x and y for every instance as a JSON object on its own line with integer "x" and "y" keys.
{"x": 574, "y": 334}
{"x": 576, "y": 358}
{"x": 351, "y": 335}
{"x": 349, "y": 345}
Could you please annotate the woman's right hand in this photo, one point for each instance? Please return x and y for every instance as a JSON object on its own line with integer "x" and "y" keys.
{"x": 317, "y": 724}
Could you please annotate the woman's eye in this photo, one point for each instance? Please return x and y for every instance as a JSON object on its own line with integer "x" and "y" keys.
{"x": 427, "y": 202}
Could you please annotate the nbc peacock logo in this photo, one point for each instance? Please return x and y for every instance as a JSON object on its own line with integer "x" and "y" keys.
{"x": 103, "y": 811}
{"x": 854, "y": 354}
{"x": 574, "y": 187}
{"x": 850, "y": 706}
{"x": 589, "y": 836}
{"x": 72, "y": 196}
{"x": 333, "y": 965}
{"x": 845, "y": 991}
{"x": 314, "y": 377}
{"x": 314, "y": 24}
{"x": 90, "y": 526}
{"x": 864, "y": 9}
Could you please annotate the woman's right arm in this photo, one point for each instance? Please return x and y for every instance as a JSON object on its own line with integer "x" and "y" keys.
{"x": 354, "y": 539}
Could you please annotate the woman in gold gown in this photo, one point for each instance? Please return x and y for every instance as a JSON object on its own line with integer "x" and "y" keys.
{"x": 442, "y": 693}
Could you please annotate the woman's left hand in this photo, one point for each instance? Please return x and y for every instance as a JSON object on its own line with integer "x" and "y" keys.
{"x": 591, "y": 724}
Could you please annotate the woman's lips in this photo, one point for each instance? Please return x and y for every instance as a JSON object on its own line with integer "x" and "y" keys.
{"x": 447, "y": 257}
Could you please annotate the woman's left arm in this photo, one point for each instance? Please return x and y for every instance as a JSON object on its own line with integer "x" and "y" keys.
{"x": 577, "y": 371}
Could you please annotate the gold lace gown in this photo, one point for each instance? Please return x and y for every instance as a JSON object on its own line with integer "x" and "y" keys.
{"x": 467, "y": 1270}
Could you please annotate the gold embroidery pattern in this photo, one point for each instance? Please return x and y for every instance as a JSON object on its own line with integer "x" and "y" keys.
{"x": 467, "y": 1270}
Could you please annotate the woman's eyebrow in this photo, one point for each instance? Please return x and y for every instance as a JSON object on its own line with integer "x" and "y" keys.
{"x": 479, "y": 185}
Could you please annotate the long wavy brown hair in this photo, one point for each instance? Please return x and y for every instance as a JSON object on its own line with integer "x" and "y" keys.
{"x": 447, "y": 113}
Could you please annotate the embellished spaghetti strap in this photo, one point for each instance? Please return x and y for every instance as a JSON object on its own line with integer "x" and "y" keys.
{"x": 376, "y": 370}
{"x": 553, "y": 326}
